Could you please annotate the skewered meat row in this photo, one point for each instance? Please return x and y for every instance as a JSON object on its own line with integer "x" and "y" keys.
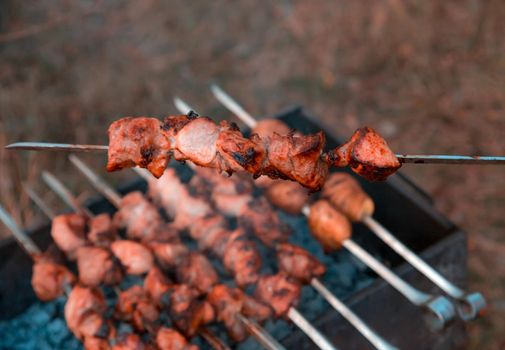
{"x": 149, "y": 143}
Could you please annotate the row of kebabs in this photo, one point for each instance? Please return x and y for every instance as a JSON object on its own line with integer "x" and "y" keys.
{"x": 102, "y": 257}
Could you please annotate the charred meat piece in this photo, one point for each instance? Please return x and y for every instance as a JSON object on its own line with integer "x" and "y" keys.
{"x": 242, "y": 258}
{"x": 267, "y": 127}
{"x": 229, "y": 302}
{"x": 288, "y": 196}
{"x": 96, "y": 343}
{"x": 328, "y": 226}
{"x": 173, "y": 196}
{"x": 170, "y": 339}
{"x": 134, "y": 257}
{"x": 278, "y": 291}
{"x": 131, "y": 342}
{"x": 101, "y": 231}
{"x": 188, "y": 310}
{"x": 139, "y": 217}
{"x": 298, "y": 263}
{"x": 138, "y": 141}
{"x": 231, "y": 205}
{"x": 201, "y": 227}
{"x": 49, "y": 278}
{"x": 212, "y": 181}
{"x": 134, "y": 305}
{"x": 261, "y": 219}
{"x": 169, "y": 255}
{"x": 96, "y": 266}
{"x": 297, "y": 158}
{"x": 68, "y": 232}
{"x": 347, "y": 196}
{"x": 368, "y": 155}
{"x": 197, "y": 271}
{"x": 84, "y": 313}
{"x": 157, "y": 286}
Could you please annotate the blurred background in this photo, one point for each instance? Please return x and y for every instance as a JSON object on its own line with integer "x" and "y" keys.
{"x": 429, "y": 75}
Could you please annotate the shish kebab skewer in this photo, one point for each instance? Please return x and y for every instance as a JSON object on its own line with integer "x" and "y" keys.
{"x": 341, "y": 190}
{"x": 165, "y": 338}
{"x": 332, "y": 299}
{"x": 90, "y": 326}
{"x": 293, "y": 314}
{"x": 252, "y": 327}
{"x": 439, "y": 310}
{"x": 64, "y": 193}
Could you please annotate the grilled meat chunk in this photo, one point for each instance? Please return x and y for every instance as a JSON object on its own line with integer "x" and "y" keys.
{"x": 288, "y": 196}
{"x": 328, "y": 226}
{"x": 229, "y": 302}
{"x": 134, "y": 257}
{"x": 139, "y": 216}
{"x": 157, "y": 286}
{"x": 200, "y": 228}
{"x": 209, "y": 180}
{"x": 96, "y": 266}
{"x": 49, "y": 278}
{"x": 260, "y": 218}
{"x": 298, "y": 263}
{"x": 170, "y": 339}
{"x": 345, "y": 193}
{"x": 84, "y": 312}
{"x": 96, "y": 343}
{"x": 368, "y": 155}
{"x": 267, "y": 127}
{"x": 138, "y": 141}
{"x": 68, "y": 232}
{"x": 242, "y": 258}
{"x": 102, "y": 231}
{"x": 131, "y": 341}
{"x": 278, "y": 291}
{"x": 188, "y": 310}
{"x": 197, "y": 271}
{"x": 134, "y": 305}
{"x": 169, "y": 255}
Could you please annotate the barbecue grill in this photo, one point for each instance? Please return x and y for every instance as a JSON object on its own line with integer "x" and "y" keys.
{"x": 401, "y": 206}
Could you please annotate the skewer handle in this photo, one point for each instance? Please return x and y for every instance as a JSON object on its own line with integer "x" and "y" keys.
{"x": 449, "y": 159}
{"x": 110, "y": 193}
{"x": 233, "y": 106}
{"x": 26, "y": 242}
{"x": 51, "y": 146}
{"x": 320, "y": 340}
{"x": 471, "y": 304}
{"x": 350, "y": 316}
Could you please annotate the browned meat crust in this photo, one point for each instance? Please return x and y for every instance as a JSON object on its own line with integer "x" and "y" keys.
{"x": 84, "y": 312}
{"x": 49, "y": 279}
{"x": 288, "y": 196}
{"x": 269, "y": 126}
{"x": 328, "y": 226}
{"x": 69, "y": 233}
{"x": 135, "y": 305}
{"x": 242, "y": 258}
{"x": 157, "y": 286}
{"x": 368, "y": 155}
{"x": 197, "y": 271}
{"x": 97, "y": 265}
{"x": 345, "y": 193}
{"x": 101, "y": 231}
{"x": 298, "y": 263}
{"x": 229, "y": 302}
{"x": 278, "y": 291}
{"x": 170, "y": 339}
{"x": 134, "y": 257}
{"x": 131, "y": 342}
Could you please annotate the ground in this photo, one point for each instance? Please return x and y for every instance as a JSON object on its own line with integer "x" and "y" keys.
{"x": 429, "y": 75}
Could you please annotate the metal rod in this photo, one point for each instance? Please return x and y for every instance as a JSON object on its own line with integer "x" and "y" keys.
{"x": 350, "y": 316}
{"x": 182, "y": 106}
{"x": 441, "y": 309}
{"x": 470, "y": 303}
{"x": 110, "y": 193}
{"x": 39, "y": 202}
{"x": 233, "y": 106}
{"x": 64, "y": 193}
{"x": 262, "y": 336}
{"x": 449, "y": 159}
{"x": 212, "y": 339}
{"x": 320, "y": 340}
{"x": 51, "y": 146}
{"x": 23, "y": 239}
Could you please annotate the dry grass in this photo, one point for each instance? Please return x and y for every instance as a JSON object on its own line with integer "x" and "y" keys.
{"x": 427, "y": 74}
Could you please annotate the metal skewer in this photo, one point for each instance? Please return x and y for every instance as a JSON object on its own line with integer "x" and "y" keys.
{"x": 441, "y": 310}
{"x": 332, "y": 299}
{"x": 115, "y": 198}
{"x": 66, "y": 196}
{"x": 21, "y": 237}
